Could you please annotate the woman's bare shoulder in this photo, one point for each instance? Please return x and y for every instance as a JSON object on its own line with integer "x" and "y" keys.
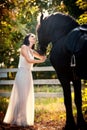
{"x": 24, "y": 47}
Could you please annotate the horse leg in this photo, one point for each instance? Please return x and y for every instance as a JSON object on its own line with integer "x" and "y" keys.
{"x": 70, "y": 123}
{"x": 82, "y": 125}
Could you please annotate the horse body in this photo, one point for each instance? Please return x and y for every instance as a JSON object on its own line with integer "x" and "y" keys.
{"x": 76, "y": 43}
{"x": 57, "y": 29}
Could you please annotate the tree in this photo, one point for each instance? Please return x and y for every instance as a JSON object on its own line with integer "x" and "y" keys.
{"x": 82, "y": 4}
{"x": 5, "y": 29}
{"x": 72, "y": 8}
{"x": 19, "y": 17}
{"x": 16, "y": 20}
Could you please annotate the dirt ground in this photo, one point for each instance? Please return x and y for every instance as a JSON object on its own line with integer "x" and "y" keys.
{"x": 45, "y": 123}
{"x": 47, "y": 117}
{"x": 50, "y": 125}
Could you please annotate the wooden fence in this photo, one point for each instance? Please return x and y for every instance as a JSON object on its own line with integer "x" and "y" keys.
{"x": 4, "y": 81}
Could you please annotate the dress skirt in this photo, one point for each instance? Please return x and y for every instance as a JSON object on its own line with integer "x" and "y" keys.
{"x": 21, "y": 106}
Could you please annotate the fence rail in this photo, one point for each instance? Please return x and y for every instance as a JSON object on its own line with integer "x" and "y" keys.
{"x": 3, "y": 74}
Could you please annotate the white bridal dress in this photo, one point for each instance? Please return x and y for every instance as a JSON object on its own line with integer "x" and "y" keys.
{"x": 21, "y": 106}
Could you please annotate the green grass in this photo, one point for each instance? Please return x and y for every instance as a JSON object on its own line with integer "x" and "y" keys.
{"x": 47, "y": 88}
{"x": 38, "y": 88}
{"x": 49, "y": 109}
{"x": 39, "y": 103}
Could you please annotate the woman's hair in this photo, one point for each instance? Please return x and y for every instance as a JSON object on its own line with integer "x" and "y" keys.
{"x": 26, "y": 40}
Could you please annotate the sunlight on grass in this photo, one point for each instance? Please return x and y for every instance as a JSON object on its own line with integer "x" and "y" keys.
{"x": 49, "y": 104}
{"x": 49, "y": 109}
{"x": 47, "y": 88}
{"x": 37, "y": 88}
{"x": 45, "y": 108}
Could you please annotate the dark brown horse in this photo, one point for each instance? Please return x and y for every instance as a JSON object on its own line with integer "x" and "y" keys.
{"x": 68, "y": 57}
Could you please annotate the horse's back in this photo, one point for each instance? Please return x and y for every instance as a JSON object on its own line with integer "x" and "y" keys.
{"x": 74, "y": 43}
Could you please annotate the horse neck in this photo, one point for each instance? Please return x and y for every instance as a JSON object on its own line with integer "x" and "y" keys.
{"x": 62, "y": 32}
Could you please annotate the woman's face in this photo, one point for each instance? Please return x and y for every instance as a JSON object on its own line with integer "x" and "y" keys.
{"x": 32, "y": 39}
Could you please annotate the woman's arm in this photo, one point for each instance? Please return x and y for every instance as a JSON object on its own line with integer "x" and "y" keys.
{"x": 24, "y": 52}
{"x": 37, "y": 55}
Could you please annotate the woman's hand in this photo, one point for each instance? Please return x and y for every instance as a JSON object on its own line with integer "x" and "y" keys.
{"x": 43, "y": 58}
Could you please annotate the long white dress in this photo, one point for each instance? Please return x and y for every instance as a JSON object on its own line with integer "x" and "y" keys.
{"x": 21, "y": 106}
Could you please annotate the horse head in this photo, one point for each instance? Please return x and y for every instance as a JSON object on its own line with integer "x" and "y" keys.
{"x": 43, "y": 36}
{"x": 52, "y": 28}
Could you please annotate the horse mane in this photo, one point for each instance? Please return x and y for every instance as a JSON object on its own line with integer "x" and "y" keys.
{"x": 42, "y": 17}
{"x": 60, "y": 14}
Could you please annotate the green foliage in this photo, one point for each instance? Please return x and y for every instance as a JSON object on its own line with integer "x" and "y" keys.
{"x": 19, "y": 17}
{"x": 3, "y": 104}
{"x": 47, "y": 88}
{"x": 82, "y": 18}
{"x": 84, "y": 99}
{"x": 82, "y": 4}
{"x": 72, "y": 8}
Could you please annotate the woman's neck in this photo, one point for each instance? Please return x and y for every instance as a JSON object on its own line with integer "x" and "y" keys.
{"x": 30, "y": 46}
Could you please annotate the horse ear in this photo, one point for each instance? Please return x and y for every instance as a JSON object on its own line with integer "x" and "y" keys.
{"x": 41, "y": 18}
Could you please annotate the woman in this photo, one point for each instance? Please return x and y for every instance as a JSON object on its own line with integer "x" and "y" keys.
{"x": 21, "y": 107}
